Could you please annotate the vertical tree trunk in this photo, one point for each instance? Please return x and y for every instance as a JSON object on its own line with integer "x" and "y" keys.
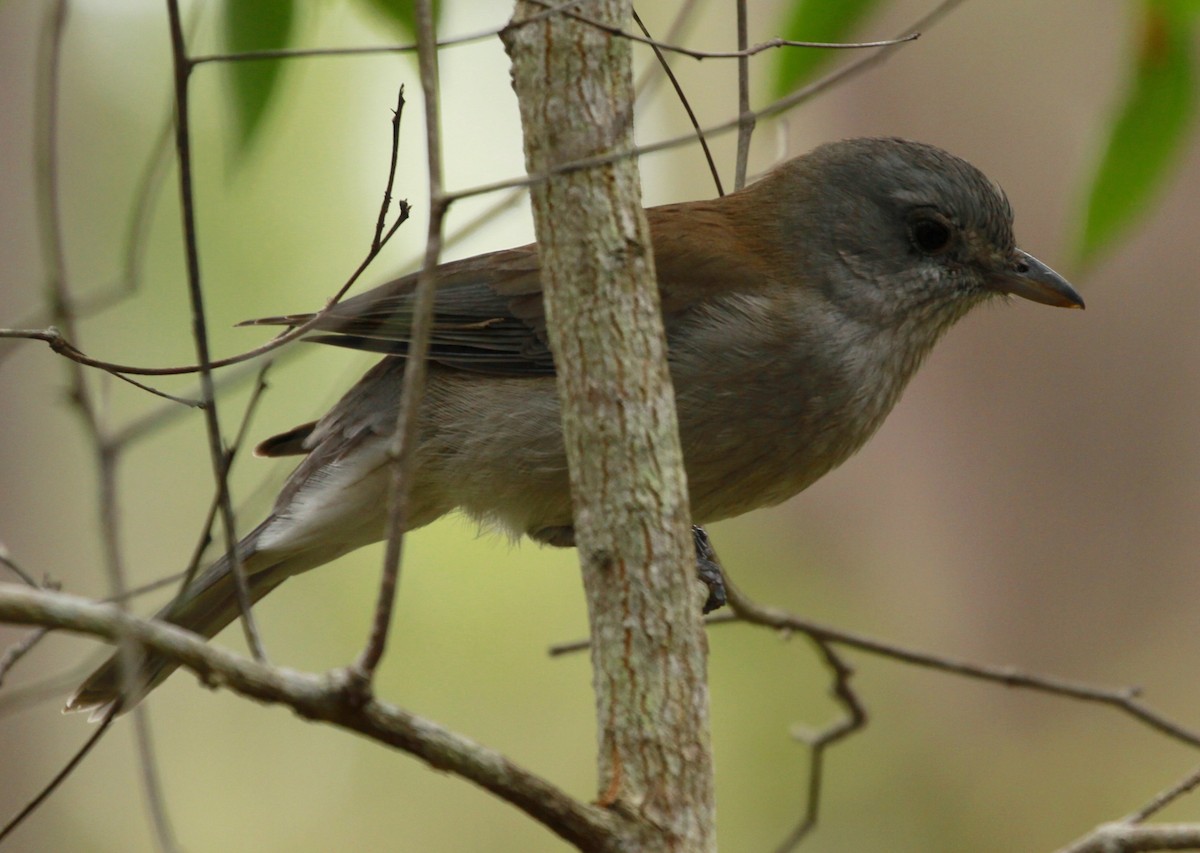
{"x": 649, "y": 652}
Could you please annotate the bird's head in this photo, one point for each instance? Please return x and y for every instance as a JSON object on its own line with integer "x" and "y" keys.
{"x": 905, "y": 232}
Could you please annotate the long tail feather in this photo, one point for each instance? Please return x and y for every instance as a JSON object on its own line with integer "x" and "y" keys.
{"x": 207, "y": 606}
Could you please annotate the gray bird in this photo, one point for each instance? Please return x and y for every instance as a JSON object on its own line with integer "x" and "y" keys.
{"x": 796, "y": 311}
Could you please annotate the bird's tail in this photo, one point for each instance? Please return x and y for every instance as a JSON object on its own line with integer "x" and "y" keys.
{"x": 205, "y": 607}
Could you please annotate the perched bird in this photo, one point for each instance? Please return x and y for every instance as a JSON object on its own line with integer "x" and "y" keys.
{"x": 796, "y": 310}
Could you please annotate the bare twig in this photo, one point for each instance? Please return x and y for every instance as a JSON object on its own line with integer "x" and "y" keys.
{"x": 741, "y": 53}
{"x": 18, "y": 650}
{"x": 774, "y": 108}
{"x": 854, "y": 718}
{"x": 260, "y": 386}
{"x": 144, "y": 425}
{"x": 746, "y": 119}
{"x": 183, "y": 66}
{"x": 827, "y": 638}
{"x": 1134, "y": 838}
{"x": 61, "y": 312}
{"x": 1123, "y": 699}
{"x": 9, "y": 563}
{"x": 404, "y": 441}
{"x": 1164, "y": 798}
{"x": 127, "y": 281}
{"x": 551, "y": 9}
{"x": 335, "y": 52}
{"x": 60, "y": 777}
{"x": 687, "y": 107}
{"x": 386, "y": 205}
{"x": 30, "y": 694}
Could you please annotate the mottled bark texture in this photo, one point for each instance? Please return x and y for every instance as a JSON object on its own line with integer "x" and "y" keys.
{"x": 649, "y": 653}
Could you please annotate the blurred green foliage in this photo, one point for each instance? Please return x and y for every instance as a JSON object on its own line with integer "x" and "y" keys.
{"x": 1150, "y": 125}
{"x": 255, "y": 25}
{"x": 252, "y": 25}
{"x": 819, "y": 21}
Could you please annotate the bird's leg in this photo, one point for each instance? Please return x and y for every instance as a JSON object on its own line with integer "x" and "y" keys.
{"x": 708, "y": 567}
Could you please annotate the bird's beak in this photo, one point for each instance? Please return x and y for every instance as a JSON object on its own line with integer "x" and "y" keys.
{"x": 1029, "y": 278}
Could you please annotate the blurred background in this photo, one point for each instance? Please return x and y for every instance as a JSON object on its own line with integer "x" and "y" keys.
{"x": 1032, "y": 501}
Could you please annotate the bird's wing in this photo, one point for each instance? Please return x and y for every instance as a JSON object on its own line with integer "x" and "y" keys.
{"x": 488, "y": 314}
{"x": 487, "y": 317}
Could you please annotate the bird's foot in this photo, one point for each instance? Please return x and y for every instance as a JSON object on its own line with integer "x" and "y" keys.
{"x": 708, "y": 570}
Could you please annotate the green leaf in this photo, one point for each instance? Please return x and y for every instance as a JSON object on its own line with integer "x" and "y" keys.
{"x": 401, "y": 15}
{"x": 815, "y": 20}
{"x": 1149, "y": 128}
{"x": 251, "y": 25}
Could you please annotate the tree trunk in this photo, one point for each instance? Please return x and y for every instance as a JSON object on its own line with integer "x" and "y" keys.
{"x": 649, "y": 651}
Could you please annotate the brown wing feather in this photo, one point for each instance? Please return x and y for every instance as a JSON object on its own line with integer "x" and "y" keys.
{"x": 487, "y": 317}
{"x": 488, "y": 314}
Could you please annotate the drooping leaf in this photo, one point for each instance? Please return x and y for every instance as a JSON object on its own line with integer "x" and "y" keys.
{"x": 251, "y": 25}
{"x": 1150, "y": 125}
{"x": 401, "y": 15}
{"x": 815, "y": 20}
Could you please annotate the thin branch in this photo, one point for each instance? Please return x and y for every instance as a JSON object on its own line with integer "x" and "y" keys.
{"x": 205, "y": 538}
{"x": 17, "y": 699}
{"x": 687, "y": 107}
{"x": 1164, "y": 798}
{"x": 402, "y": 449}
{"x": 386, "y": 204}
{"x": 1123, "y": 699}
{"x": 1132, "y": 838}
{"x": 63, "y": 346}
{"x": 854, "y": 718}
{"x": 334, "y": 52}
{"x": 746, "y": 120}
{"x": 163, "y": 831}
{"x": 60, "y": 777}
{"x": 324, "y": 699}
{"x": 13, "y": 654}
{"x": 50, "y": 231}
{"x": 561, "y": 8}
{"x": 772, "y": 109}
{"x": 182, "y": 71}
{"x": 146, "y": 424}
{"x": 127, "y": 281}
{"x": 741, "y": 53}
{"x": 7, "y": 561}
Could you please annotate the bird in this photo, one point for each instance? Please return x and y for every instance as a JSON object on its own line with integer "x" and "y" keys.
{"x": 796, "y": 310}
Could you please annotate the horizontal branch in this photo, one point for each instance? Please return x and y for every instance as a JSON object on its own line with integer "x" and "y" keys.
{"x": 324, "y": 698}
{"x": 1124, "y": 699}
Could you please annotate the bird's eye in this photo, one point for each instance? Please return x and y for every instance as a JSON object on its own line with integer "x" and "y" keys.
{"x": 930, "y": 235}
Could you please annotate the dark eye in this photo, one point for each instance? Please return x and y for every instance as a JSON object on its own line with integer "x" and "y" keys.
{"x": 930, "y": 235}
